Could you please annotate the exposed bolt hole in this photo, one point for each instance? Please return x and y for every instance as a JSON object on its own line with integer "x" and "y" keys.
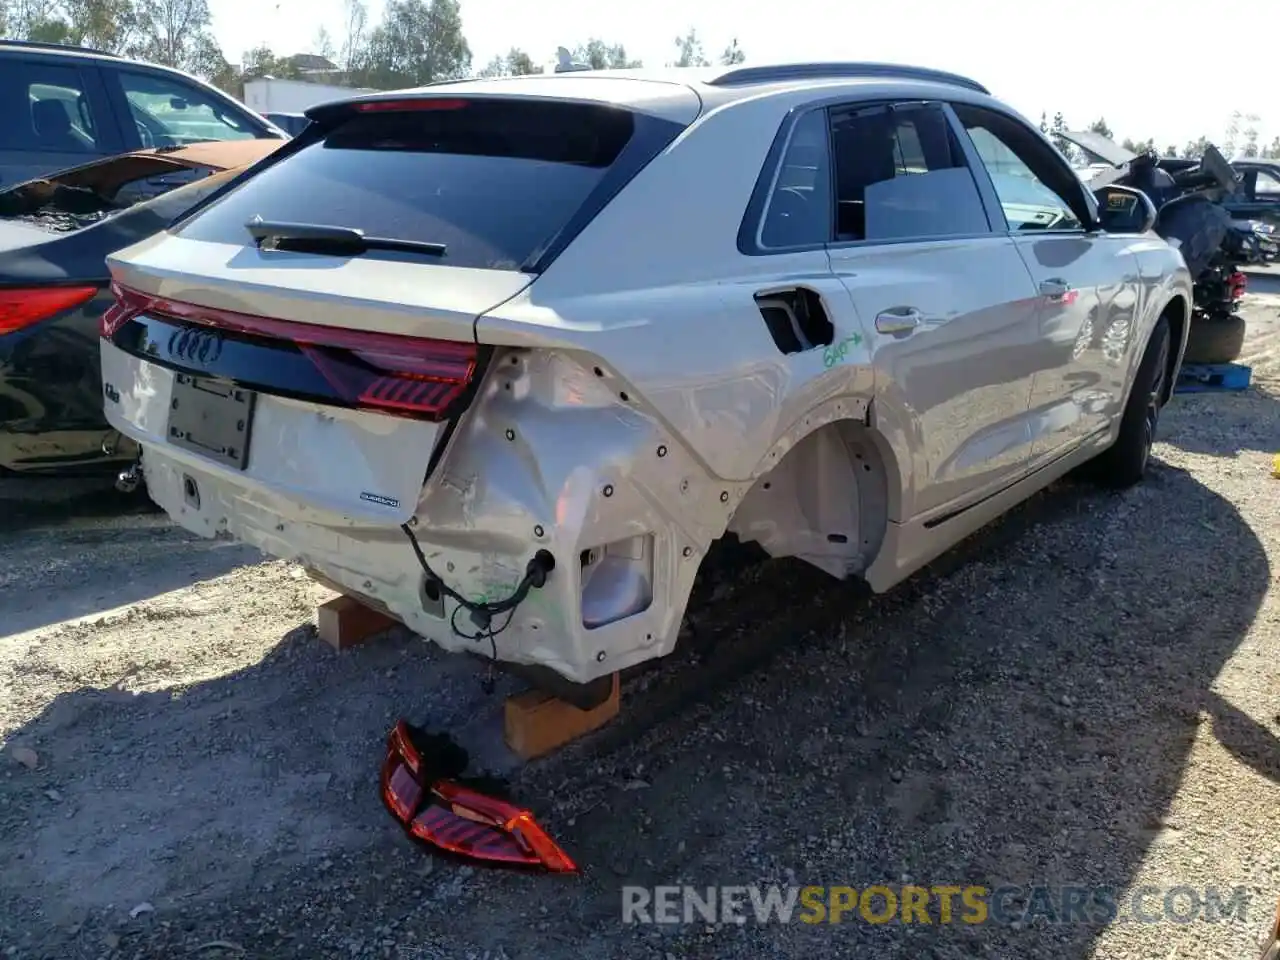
{"x": 768, "y": 485}
{"x": 506, "y": 386}
{"x": 514, "y": 361}
{"x": 599, "y": 372}
{"x": 538, "y": 531}
{"x": 623, "y": 397}
{"x": 866, "y": 467}
{"x": 511, "y": 434}
{"x": 724, "y": 496}
{"x": 662, "y": 451}
{"x": 585, "y": 558}
{"x": 600, "y": 657}
{"x": 837, "y": 538}
{"x": 608, "y": 489}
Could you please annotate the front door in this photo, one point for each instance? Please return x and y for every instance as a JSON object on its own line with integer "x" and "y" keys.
{"x": 1087, "y": 284}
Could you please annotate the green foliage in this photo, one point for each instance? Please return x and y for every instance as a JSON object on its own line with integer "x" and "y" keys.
{"x": 689, "y": 51}
{"x": 604, "y": 56}
{"x": 732, "y": 54}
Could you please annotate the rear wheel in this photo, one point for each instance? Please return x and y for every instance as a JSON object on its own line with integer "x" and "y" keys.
{"x": 1124, "y": 463}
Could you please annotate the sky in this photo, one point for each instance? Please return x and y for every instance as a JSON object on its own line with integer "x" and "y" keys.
{"x": 1146, "y": 68}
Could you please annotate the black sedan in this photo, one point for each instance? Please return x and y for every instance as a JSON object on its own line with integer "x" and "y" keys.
{"x": 55, "y": 236}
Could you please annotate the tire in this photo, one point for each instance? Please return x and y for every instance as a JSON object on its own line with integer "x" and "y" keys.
{"x": 1124, "y": 463}
{"x": 1199, "y": 226}
{"x": 1214, "y": 339}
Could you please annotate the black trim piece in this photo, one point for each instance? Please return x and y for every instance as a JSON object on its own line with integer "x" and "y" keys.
{"x": 948, "y": 517}
{"x": 840, "y": 69}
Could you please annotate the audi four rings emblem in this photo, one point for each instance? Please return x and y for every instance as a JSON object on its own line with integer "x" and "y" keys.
{"x": 195, "y": 346}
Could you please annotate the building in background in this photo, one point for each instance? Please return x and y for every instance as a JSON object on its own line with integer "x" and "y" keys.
{"x": 271, "y": 95}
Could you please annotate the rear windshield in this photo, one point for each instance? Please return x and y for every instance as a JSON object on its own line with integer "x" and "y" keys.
{"x": 493, "y": 180}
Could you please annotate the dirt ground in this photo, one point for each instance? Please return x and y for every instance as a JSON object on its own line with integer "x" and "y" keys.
{"x": 1087, "y": 693}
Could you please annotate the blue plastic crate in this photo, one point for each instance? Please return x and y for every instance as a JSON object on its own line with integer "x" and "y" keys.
{"x": 1212, "y": 377}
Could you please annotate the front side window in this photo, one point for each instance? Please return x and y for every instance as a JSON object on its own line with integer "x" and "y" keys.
{"x": 1022, "y": 170}
{"x": 169, "y": 113}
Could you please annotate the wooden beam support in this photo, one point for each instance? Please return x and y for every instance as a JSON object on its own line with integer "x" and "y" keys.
{"x": 536, "y": 723}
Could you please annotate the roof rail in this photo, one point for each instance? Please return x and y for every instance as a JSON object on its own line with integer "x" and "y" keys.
{"x": 832, "y": 70}
{"x": 63, "y": 47}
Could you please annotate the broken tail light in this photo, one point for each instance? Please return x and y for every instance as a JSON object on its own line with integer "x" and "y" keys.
{"x": 461, "y": 820}
{"x": 1238, "y": 283}
{"x": 417, "y": 377}
{"x": 21, "y": 307}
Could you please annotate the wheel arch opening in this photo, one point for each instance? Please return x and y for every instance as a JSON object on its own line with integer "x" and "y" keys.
{"x": 827, "y": 501}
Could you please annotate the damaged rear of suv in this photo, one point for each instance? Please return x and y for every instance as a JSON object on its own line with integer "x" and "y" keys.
{"x": 300, "y": 360}
{"x": 506, "y": 357}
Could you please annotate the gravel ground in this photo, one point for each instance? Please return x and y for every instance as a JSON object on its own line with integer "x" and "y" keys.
{"x": 1084, "y": 694}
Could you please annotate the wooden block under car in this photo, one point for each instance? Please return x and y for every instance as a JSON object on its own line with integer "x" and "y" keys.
{"x": 535, "y": 723}
{"x": 344, "y": 622}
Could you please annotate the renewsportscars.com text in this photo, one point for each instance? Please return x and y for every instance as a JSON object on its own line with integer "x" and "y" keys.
{"x": 937, "y": 904}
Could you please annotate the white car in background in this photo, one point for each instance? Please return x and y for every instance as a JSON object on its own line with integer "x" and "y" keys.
{"x": 505, "y": 357}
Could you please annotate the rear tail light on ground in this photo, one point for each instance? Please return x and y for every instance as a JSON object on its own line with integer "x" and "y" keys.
{"x": 23, "y": 306}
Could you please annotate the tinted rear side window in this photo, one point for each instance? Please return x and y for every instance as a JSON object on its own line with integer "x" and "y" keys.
{"x": 495, "y": 181}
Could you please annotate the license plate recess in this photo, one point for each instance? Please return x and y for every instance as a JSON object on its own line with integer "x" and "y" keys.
{"x": 213, "y": 418}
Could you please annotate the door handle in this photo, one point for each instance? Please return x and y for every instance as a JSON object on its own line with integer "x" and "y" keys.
{"x": 898, "y": 321}
{"x": 1055, "y": 288}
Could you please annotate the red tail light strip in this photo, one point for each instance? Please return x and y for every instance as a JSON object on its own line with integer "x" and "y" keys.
{"x": 24, "y": 306}
{"x": 400, "y": 106}
{"x": 409, "y": 376}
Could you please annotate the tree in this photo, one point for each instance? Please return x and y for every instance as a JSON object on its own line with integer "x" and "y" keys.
{"x": 355, "y": 22}
{"x": 689, "y": 51}
{"x": 1272, "y": 152}
{"x": 176, "y": 33}
{"x": 1056, "y": 129}
{"x": 1100, "y": 127}
{"x": 262, "y": 62}
{"x": 108, "y": 25}
{"x": 1251, "y": 136}
{"x": 516, "y": 63}
{"x": 1170, "y": 151}
{"x": 322, "y": 46}
{"x": 1233, "y": 131}
{"x": 603, "y": 56}
{"x": 1196, "y": 148}
{"x": 732, "y": 54}
{"x": 418, "y": 42}
{"x": 1044, "y": 122}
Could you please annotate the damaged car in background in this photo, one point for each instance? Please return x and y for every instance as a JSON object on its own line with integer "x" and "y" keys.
{"x": 1196, "y": 201}
{"x": 507, "y": 357}
{"x": 55, "y": 235}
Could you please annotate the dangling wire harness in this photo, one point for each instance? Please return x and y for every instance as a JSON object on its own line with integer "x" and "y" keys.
{"x": 482, "y": 614}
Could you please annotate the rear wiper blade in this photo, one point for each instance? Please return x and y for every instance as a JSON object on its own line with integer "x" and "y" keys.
{"x": 321, "y": 238}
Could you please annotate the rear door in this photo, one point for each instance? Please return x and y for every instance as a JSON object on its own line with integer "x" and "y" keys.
{"x": 53, "y": 115}
{"x": 947, "y": 302}
{"x": 1087, "y": 284}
